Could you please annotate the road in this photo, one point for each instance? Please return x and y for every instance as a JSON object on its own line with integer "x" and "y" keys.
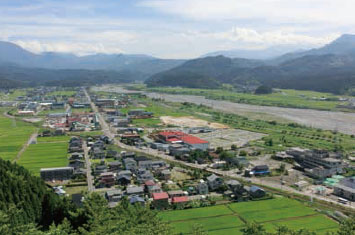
{"x": 89, "y": 177}
{"x": 230, "y": 174}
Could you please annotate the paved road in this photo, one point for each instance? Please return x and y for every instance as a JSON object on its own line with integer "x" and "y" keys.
{"x": 89, "y": 177}
{"x": 230, "y": 174}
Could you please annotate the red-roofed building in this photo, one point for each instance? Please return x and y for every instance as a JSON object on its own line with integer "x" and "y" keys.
{"x": 160, "y": 200}
{"x": 172, "y": 137}
{"x": 183, "y": 199}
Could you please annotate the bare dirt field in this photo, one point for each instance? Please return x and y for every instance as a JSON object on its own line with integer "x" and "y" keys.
{"x": 190, "y": 121}
{"x": 226, "y": 137}
{"x": 340, "y": 121}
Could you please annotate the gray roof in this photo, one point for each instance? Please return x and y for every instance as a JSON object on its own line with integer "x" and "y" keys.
{"x": 135, "y": 189}
{"x": 114, "y": 192}
{"x": 212, "y": 177}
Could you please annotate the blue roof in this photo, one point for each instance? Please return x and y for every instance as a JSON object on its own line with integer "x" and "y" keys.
{"x": 135, "y": 199}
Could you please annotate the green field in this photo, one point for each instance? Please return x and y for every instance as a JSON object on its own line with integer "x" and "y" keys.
{"x": 13, "y": 135}
{"x": 281, "y": 98}
{"x": 48, "y": 152}
{"x": 231, "y": 218}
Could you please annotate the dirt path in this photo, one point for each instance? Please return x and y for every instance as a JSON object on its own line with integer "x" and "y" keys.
{"x": 33, "y": 137}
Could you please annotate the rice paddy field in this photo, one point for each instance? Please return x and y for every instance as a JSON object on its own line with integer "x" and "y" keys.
{"x": 48, "y": 152}
{"x": 231, "y": 218}
{"x": 13, "y": 135}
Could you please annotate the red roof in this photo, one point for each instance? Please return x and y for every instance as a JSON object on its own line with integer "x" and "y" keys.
{"x": 180, "y": 199}
{"x": 189, "y": 139}
{"x": 149, "y": 183}
{"x": 173, "y": 139}
{"x": 173, "y": 136}
{"x": 159, "y": 196}
{"x": 171, "y": 133}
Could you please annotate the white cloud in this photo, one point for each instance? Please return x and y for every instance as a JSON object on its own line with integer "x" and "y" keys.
{"x": 280, "y": 11}
{"x": 275, "y": 37}
{"x": 68, "y": 47}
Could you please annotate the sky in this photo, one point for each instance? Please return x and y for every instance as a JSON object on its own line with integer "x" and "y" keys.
{"x": 172, "y": 28}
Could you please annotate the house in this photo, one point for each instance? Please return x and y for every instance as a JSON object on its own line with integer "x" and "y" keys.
{"x": 165, "y": 174}
{"x": 160, "y": 200}
{"x": 115, "y": 166}
{"x": 57, "y": 173}
{"x": 124, "y": 179}
{"x": 98, "y": 153}
{"x": 154, "y": 189}
{"x": 255, "y": 191}
{"x": 114, "y": 195}
{"x": 180, "y": 200}
{"x": 238, "y": 161}
{"x": 202, "y": 187}
{"x": 76, "y": 164}
{"x": 176, "y": 193}
{"x": 214, "y": 182}
{"x": 136, "y": 200}
{"x": 145, "y": 164}
{"x": 260, "y": 170}
{"x": 135, "y": 190}
{"x": 100, "y": 169}
{"x": 107, "y": 179}
{"x": 346, "y": 188}
{"x": 125, "y": 172}
{"x": 76, "y": 156}
{"x": 130, "y": 164}
{"x": 235, "y": 186}
{"x": 145, "y": 176}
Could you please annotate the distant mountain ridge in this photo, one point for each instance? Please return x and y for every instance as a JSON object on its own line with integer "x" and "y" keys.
{"x": 330, "y": 68}
{"x": 143, "y": 64}
{"x": 257, "y": 54}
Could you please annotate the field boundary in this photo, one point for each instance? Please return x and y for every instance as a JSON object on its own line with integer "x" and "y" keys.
{"x": 26, "y": 145}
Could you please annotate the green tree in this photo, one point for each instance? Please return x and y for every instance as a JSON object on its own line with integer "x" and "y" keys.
{"x": 253, "y": 229}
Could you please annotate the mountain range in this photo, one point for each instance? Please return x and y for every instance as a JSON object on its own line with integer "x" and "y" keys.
{"x": 329, "y": 68}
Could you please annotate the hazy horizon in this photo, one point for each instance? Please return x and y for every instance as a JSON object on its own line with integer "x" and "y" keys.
{"x": 172, "y": 29}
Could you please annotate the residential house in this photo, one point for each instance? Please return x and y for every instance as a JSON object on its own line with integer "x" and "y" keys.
{"x": 176, "y": 193}
{"x": 130, "y": 164}
{"x": 202, "y": 187}
{"x": 135, "y": 190}
{"x": 135, "y": 199}
{"x": 255, "y": 191}
{"x": 114, "y": 195}
{"x": 214, "y": 182}
{"x": 160, "y": 200}
{"x": 107, "y": 179}
{"x": 165, "y": 174}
